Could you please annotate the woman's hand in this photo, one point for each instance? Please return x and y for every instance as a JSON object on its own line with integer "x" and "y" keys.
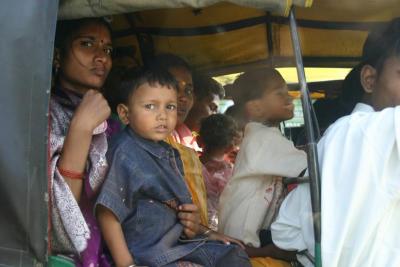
{"x": 189, "y": 217}
{"x": 225, "y": 239}
{"x": 91, "y": 112}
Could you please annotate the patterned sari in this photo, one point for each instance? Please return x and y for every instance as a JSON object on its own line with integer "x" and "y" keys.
{"x": 74, "y": 228}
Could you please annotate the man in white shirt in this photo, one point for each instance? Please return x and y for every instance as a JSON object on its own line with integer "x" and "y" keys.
{"x": 359, "y": 157}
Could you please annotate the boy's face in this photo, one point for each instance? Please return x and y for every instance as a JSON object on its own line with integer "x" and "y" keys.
{"x": 386, "y": 85}
{"x": 151, "y": 112}
{"x": 204, "y": 108}
{"x": 276, "y": 105}
{"x": 185, "y": 91}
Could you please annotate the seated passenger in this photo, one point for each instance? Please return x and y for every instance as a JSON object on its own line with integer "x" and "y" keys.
{"x": 77, "y": 140}
{"x": 192, "y": 166}
{"x": 237, "y": 113}
{"x": 218, "y": 135}
{"x": 141, "y": 198}
{"x": 182, "y": 72}
{"x": 360, "y": 166}
{"x": 253, "y": 195}
{"x": 207, "y": 94}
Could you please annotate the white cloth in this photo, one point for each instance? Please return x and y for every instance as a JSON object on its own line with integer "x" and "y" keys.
{"x": 253, "y": 195}
{"x": 360, "y": 168}
{"x": 293, "y": 228}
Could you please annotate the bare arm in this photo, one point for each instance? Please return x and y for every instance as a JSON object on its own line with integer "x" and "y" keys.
{"x": 114, "y": 237}
{"x": 74, "y": 155}
{"x": 92, "y": 111}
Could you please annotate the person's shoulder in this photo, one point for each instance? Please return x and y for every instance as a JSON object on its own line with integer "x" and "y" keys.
{"x": 362, "y": 118}
{"x": 256, "y": 128}
{"x": 181, "y": 149}
{"x": 122, "y": 146}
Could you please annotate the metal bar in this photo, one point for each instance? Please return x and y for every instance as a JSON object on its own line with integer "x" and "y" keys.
{"x": 145, "y": 40}
{"x": 270, "y": 36}
{"x": 312, "y": 154}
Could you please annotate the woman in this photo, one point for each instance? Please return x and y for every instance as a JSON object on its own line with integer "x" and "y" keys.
{"x": 78, "y": 144}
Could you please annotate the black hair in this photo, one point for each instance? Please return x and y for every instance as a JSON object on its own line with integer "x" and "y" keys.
{"x": 327, "y": 111}
{"x": 167, "y": 61}
{"x": 238, "y": 114}
{"x": 205, "y": 86}
{"x": 252, "y": 84}
{"x": 218, "y": 131}
{"x": 381, "y": 44}
{"x": 66, "y": 29}
{"x": 352, "y": 90}
{"x": 132, "y": 79}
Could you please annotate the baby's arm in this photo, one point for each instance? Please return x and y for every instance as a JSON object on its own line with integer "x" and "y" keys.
{"x": 114, "y": 237}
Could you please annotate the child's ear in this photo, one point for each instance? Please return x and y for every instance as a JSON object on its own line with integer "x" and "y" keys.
{"x": 368, "y": 78}
{"x": 123, "y": 113}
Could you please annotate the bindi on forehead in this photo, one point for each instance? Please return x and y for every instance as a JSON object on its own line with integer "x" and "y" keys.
{"x": 96, "y": 32}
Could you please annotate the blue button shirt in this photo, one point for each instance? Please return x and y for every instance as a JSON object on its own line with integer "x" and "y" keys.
{"x": 143, "y": 188}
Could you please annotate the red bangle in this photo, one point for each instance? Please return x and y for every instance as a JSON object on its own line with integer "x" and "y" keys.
{"x": 71, "y": 174}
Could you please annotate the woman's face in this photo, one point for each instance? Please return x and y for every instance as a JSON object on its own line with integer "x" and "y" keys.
{"x": 202, "y": 109}
{"x": 185, "y": 91}
{"x": 87, "y": 59}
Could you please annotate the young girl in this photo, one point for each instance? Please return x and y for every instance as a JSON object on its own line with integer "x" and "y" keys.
{"x": 77, "y": 145}
{"x": 219, "y": 134}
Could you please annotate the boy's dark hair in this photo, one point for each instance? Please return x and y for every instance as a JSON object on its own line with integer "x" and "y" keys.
{"x": 381, "y": 44}
{"x": 205, "y": 86}
{"x": 134, "y": 78}
{"x": 66, "y": 29}
{"x": 237, "y": 113}
{"x": 218, "y": 131}
{"x": 352, "y": 90}
{"x": 252, "y": 84}
{"x": 167, "y": 61}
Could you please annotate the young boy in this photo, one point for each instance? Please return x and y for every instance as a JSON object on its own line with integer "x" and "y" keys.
{"x": 219, "y": 136}
{"x": 207, "y": 95}
{"x": 138, "y": 205}
{"x": 252, "y": 197}
{"x": 360, "y": 173}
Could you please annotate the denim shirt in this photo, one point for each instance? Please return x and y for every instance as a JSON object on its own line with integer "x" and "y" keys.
{"x": 143, "y": 188}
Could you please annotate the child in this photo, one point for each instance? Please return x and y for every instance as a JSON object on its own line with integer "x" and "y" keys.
{"x": 218, "y": 134}
{"x": 360, "y": 170}
{"x": 144, "y": 189}
{"x": 251, "y": 198}
{"x": 207, "y": 95}
{"x": 181, "y": 138}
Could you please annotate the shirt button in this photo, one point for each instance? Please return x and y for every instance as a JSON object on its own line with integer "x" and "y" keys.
{"x": 121, "y": 189}
{"x": 151, "y": 201}
{"x": 123, "y": 200}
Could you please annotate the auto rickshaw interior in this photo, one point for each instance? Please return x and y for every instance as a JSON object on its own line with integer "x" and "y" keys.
{"x": 221, "y": 39}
